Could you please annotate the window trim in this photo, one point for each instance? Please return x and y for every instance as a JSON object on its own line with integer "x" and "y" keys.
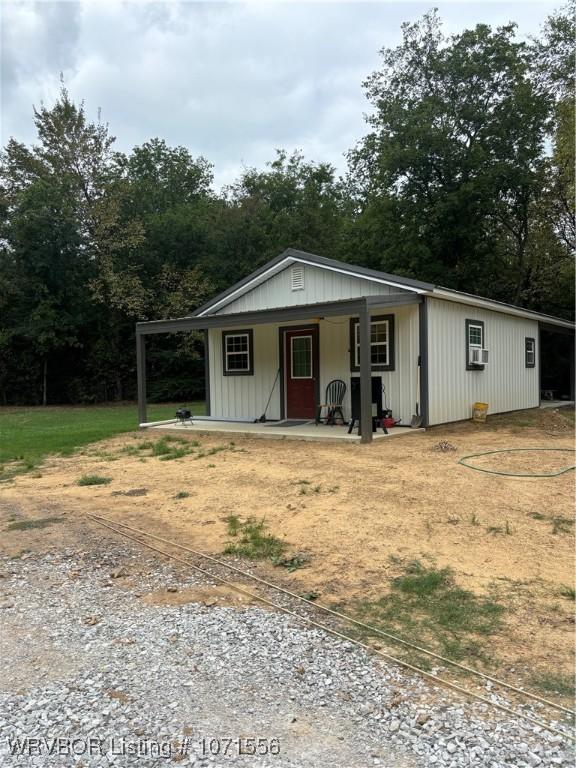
{"x": 474, "y": 324}
{"x": 391, "y": 365}
{"x": 527, "y": 341}
{"x": 249, "y": 333}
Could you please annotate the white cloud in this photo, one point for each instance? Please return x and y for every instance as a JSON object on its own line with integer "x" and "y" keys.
{"x": 230, "y": 81}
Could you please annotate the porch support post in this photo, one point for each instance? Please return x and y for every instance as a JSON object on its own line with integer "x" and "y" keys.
{"x": 423, "y": 359}
{"x": 141, "y": 376}
{"x": 207, "y": 371}
{"x": 571, "y": 342}
{"x": 365, "y": 375}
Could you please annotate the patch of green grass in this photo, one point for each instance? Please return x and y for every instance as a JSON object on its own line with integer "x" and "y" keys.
{"x": 428, "y": 607}
{"x": 93, "y": 480}
{"x": 161, "y": 447}
{"x": 310, "y": 595}
{"x": 168, "y": 448}
{"x": 28, "y": 435}
{"x": 26, "y": 525}
{"x": 291, "y": 563}
{"x": 494, "y": 529}
{"x": 234, "y": 525}
{"x": 554, "y": 682}
{"x": 215, "y": 449}
{"x": 306, "y": 487}
{"x": 497, "y": 529}
{"x": 474, "y": 519}
{"x": 568, "y": 592}
{"x": 18, "y": 467}
{"x": 181, "y": 495}
{"x": 561, "y": 524}
{"x": 253, "y": 542}
{"x": 175, "y": 453}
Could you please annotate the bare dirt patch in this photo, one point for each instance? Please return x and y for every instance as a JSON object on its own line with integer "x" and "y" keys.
{"x": 360, "y": 514}
{"x": 220, "y": 595}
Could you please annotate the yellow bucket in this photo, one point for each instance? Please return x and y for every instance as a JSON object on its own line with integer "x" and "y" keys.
{"x": 479, "y": 411}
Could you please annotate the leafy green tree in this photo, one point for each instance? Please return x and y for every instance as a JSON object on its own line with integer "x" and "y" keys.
{"x": 292, "y": 203}
{"x": 445, "y": 181}
{"x": 43, "y": 293}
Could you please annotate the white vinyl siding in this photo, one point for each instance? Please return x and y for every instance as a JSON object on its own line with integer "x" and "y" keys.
{"x": 504, "y": 382}
{"x": 318, "y": 284}
{"x": 244, "y": 397}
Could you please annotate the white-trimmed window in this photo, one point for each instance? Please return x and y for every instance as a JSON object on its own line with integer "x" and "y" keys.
{"x": 237, "y": 353}
{"x": 474, "y": 341}
{"x": 530, "y": 352}
{"x": 381, "y": 343}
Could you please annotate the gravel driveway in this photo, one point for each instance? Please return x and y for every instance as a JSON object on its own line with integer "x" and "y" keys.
{"x": 94, "y": 672}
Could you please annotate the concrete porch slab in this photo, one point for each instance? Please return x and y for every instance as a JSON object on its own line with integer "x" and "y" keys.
{"x": 308, "y": 431}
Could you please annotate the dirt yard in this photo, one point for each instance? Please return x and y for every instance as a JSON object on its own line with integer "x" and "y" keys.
{"x": 358, "y": 516}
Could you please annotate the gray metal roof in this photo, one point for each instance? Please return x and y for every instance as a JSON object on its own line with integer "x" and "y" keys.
{"x": 363, "y": 272}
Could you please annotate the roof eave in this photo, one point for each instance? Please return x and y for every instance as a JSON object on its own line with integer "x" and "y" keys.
{"x": 449, "y": 294}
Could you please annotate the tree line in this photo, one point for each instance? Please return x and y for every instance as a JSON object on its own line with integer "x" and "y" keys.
{"x": 464, "y": 178}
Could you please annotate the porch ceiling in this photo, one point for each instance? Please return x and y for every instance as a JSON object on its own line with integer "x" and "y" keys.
{"x": 281, "y": 314}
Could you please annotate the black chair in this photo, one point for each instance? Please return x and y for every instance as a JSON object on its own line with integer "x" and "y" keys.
{"x": 335, "y": 392}
{"x": 377, "y": 410}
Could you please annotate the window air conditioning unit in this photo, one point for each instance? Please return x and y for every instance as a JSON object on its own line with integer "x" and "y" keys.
{"x": 478, "y": 356}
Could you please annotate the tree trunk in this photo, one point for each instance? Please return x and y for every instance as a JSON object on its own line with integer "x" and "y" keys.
{"x": 45, "y": 382}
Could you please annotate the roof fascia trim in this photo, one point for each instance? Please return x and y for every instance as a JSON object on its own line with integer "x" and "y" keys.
{"x": 497, "y": 306}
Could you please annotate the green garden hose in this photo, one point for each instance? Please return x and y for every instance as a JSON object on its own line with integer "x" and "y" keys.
{"x": 516, "y": 474}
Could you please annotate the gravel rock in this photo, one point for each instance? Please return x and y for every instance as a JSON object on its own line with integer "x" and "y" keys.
{"x": 188, "y": 682}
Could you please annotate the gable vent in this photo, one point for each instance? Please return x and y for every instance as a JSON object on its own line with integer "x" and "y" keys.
{"x": 297, "y": 277}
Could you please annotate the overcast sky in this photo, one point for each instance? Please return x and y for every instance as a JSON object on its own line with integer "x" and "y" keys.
{"x": 231, "y": 81}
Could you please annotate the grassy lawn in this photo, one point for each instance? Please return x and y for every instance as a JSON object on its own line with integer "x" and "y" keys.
{"x": 29, "y": 434}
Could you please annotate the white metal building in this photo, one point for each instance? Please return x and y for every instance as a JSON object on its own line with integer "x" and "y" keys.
{"x": 276, "y": 339}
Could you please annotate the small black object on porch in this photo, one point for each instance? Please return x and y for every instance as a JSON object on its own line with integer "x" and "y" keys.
{"x": 184, "y": 416}
{"x": 376, "y": 410}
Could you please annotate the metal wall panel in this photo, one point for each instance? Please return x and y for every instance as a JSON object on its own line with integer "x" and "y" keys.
{"x": 505, "y": 383}
{"x": 244, "y": 397}
{"x": 319, "y": 285}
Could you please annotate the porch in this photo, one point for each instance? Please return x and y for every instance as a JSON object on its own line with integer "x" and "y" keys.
{"x": 308, "y": 431}
{"x": 337, "y": 340}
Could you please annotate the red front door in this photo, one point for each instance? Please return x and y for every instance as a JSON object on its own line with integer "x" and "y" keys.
{"x": 300, "y": 363}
